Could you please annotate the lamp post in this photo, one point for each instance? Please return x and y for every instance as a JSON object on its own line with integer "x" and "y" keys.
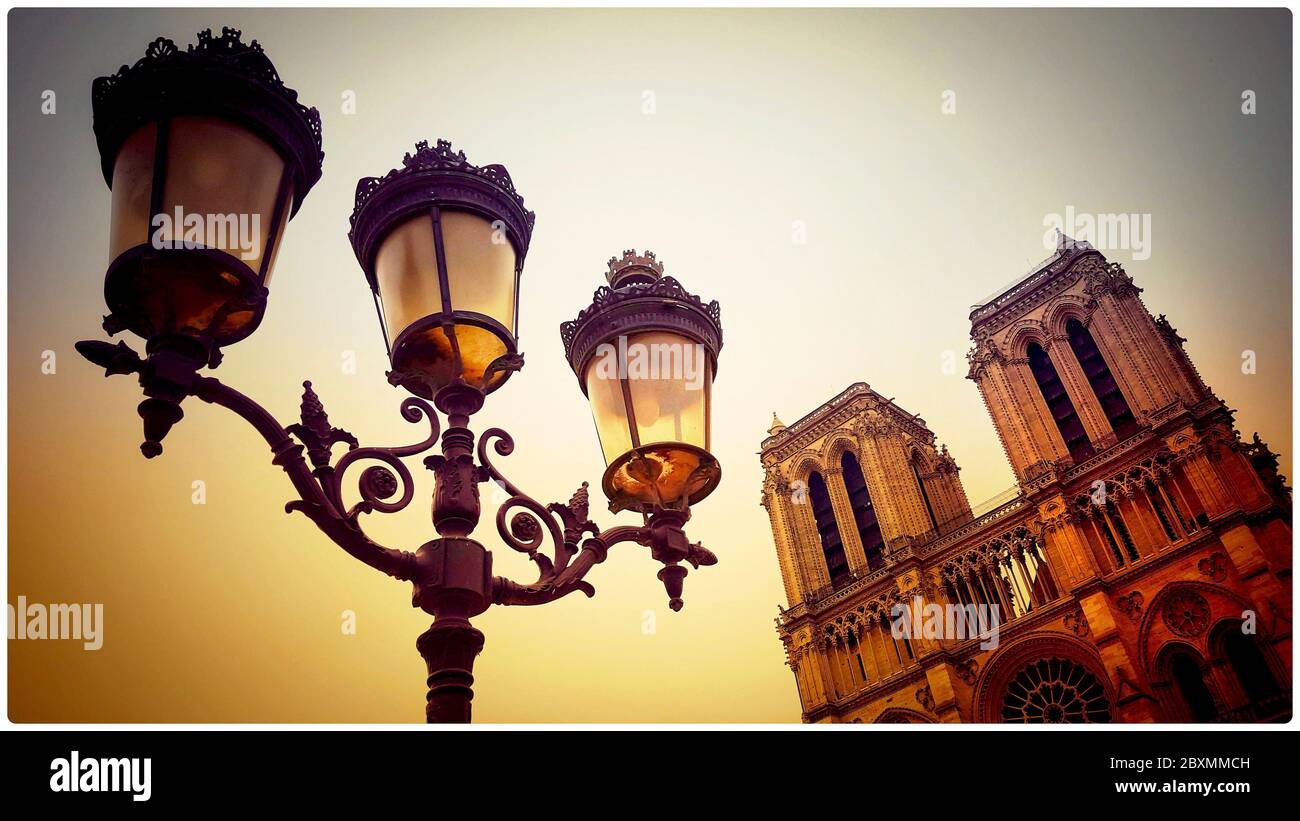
{"x": 442, "y": 242}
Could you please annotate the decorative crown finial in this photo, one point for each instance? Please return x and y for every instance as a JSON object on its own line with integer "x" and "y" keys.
{"x": 634, "y": 268}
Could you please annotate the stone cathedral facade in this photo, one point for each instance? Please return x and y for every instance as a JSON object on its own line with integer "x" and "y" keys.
{"x": 1140, "y": 571}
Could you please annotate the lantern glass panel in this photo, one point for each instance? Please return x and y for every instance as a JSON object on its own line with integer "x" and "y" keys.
{"x": 669, "y": 377}
{"x": 480, "y": 267}
{"x": 657, "y": 453}
{"x": 132, "y": 191}
{"x": 481, "y": 279}
{"x": 608, "y": 408}
{"x": 228, "y": 176}
{"x": 406, "y": 268}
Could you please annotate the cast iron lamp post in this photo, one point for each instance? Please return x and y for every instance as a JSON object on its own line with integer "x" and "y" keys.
{"x": 213, "y": 130}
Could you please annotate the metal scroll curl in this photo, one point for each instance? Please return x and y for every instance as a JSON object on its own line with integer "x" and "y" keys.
{"x": 381, "y": 482}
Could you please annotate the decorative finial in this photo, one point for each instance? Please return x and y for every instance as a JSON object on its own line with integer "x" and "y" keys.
{"x": 315, "y": 430}
{"x": 777, "y": 425}
{"x": 1065, "y": 242}
{"x": 634, "y": 268}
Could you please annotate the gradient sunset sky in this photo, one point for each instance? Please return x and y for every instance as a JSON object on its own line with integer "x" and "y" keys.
{"x": 768, "y": 128}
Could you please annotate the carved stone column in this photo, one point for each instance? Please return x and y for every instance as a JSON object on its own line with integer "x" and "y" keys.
{"x": 1065, "y": 544}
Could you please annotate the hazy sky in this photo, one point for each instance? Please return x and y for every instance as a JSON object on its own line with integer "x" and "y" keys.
{"x": 768, "y": 127}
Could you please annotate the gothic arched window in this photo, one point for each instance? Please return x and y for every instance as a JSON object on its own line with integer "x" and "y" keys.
{"x": 1103, "y": 384}
{"x": 1058, "y": 402}
{"x": 832, "y": 546}
{"x": 1186, "y": 674}
{"x": 1249, "y": 666}
{"x": 864, "y": 513}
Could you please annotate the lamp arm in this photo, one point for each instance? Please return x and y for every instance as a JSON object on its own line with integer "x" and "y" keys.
{"x": 571, "y": 578}
{"x": 319, "y": 497}
{"x": 167, "y": 378}
{"x": 287, "y": 452}
{"x": 573, "y": 556}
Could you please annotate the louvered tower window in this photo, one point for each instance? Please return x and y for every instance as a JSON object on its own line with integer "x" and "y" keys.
{"x": 1058, "y": 403}
{"x": 1100, "y": 379}
{"x": 864, "y": 513}
{"x": 920, "y": 483}
{"x": 832, "y": 546}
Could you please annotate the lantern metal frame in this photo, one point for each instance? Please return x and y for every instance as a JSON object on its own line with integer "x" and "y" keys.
{"x": 433, "y": 180}
{"x": 227, "y": 79}
{"x": 639, "y": 298}
{"x": 451, "y": 575}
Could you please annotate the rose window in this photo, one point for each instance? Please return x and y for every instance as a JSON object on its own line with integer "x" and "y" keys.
{"x": 1055, "y": 691}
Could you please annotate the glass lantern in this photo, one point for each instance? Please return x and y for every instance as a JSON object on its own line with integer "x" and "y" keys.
{"x": 442, "y": 243}
{"x": 208, "y": 155}
{"x": 645, "y": 354}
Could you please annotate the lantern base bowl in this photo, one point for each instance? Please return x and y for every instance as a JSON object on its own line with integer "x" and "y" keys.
{"x": 661, "y": 476}
{"x": 467, "y": 349}
{"x": 200, "y": 293}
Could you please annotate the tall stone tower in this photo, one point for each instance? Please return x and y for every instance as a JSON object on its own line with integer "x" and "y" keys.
{"x": 1138, "y": 571}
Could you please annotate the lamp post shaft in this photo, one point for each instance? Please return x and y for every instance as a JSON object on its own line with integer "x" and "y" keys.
{"x": 449, "y": 648}
{"x": 457, "y": 580}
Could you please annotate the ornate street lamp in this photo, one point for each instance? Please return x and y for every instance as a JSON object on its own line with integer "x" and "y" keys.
{"x": 442, "y": 244}
{"x": 645, "y": 353}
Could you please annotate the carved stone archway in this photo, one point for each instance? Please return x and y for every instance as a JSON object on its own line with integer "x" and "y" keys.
{"x": 1089, "y": 692}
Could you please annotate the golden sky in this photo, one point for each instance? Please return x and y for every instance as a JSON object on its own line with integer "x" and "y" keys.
{"x": 768, "y": 127}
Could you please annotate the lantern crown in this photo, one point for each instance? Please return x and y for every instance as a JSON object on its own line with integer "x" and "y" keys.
{"x": 217, "y": 76}
{"x": 435, "y": 176}
{"x": 634, "y": 268}
{"x": 660, "y": 303}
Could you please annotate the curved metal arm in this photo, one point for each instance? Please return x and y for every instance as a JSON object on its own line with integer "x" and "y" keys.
{"x": 553, "y": 586}
{"x": 321, "y": 502}
{"x": 167, "y": 378}
{"x": 565, "y": 573}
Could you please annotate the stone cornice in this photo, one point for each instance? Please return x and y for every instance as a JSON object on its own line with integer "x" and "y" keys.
{"x": 1059, "y": 272}
{"x": 837, "y": 413}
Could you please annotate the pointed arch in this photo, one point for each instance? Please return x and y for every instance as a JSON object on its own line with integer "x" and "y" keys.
{"x": 902, "y": 715}
{"x": 1153, "y": 635}
{"x": 865, "y": 518}
{"x": 837, "y": 443}
{"x": 837, "y": 563}
{"x": 1261, "y": 677}
{"x": 1182, "y": 685}
{"x": 1059, "y": 655}
{"x": 1066, "y": 307}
